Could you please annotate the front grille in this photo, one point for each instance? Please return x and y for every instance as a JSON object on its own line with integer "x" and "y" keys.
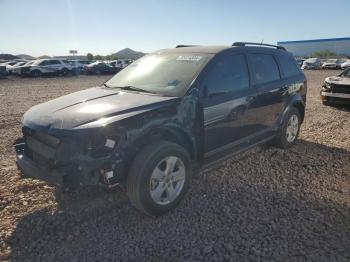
{"x": 341, "y": 89}
{"x": 40, "y": 147}
{"x": 48, "y": 150}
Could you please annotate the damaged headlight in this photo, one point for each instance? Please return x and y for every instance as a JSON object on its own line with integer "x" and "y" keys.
{"x": 100, "y": 144}
{"x": 326, "y": 86}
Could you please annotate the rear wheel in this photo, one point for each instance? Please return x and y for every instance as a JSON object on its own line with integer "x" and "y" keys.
{"x": 289, "y": 130}
{"x": 159, "y": 178}
{"x": 36, "y": 73}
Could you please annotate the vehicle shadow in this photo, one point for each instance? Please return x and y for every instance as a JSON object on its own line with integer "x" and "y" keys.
{"x": 240, "y": 212}
{"x": 345, "y": 108}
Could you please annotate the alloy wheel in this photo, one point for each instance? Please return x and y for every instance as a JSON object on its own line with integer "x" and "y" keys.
{"x": 167, "y": 180}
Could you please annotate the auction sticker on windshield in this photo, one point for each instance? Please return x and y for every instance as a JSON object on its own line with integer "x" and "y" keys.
{"x": 189, "y": 58}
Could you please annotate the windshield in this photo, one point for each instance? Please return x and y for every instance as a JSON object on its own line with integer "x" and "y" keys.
{"x": 37, "y": 62}
{"x": 165, "y": 74}
{"x": 312, "y": 60}
{"x": 346, "y": 73}
{"x": 331, "y": 61}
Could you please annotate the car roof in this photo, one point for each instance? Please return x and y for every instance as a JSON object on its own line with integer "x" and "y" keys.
{"x": 215, "y": 49}
{"x": 195, "y": 49}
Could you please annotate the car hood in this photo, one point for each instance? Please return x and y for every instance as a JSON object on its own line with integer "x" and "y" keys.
{"x": 91, "y": 108}
{"x": 338, "y": 80}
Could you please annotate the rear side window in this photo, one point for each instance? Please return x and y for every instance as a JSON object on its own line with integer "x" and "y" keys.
{"x": 228, "y": 74}
{"x": 289, "y": 66}
{"x": 265, "y": 68}
{"x": 54, "y": 62}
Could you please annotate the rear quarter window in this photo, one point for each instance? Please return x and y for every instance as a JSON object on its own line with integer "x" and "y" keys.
{"x": 289, "y": 66}
{"x": 265, "y": 68}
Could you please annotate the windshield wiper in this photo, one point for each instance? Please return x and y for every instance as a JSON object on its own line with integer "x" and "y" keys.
{"x": 134, "y": 88}
{"x": 106, "y": 85}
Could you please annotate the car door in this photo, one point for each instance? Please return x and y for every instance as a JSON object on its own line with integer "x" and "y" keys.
{"x": 44, "y": 66}
{"x": 55, "y": 65}
{"x": 271, "y": 90}
{"x": 228, "y": 102}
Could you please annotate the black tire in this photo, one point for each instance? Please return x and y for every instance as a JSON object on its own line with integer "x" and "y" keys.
{"x": 36, "y": 73}
{"x": 64, "y": 72}
{"x": 281, "y": 140}
{"x": 139, "y": 177}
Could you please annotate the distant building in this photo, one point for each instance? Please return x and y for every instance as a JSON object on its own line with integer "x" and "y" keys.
{"x": 340, "y": 46}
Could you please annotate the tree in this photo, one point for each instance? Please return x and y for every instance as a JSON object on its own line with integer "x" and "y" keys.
{"x": 89, "y": 56}
{"x": 111, "y": 57}
{"x": 98, "y": 57}
{"x": 324, "y": 54}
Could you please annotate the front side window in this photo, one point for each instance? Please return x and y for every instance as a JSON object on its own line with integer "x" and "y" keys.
{"x": 44, "y": 63}
{"x": 162, "y": 73}
{"x": 265, "y": 68}
{"x": 228, "y": 74}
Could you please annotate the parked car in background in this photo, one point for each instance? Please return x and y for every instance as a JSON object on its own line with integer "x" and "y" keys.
{"x": 46, "y": 67}
{"x": 331, "y": 64}
{"x": 11, "y": 68}
{"x": 300, "y": 61}
{"x": 148, "y": 130}
{"x": 100, "y": 68}
{"x": 17, "y": 69}
{"x": 79, "y": 63}
{"x": 9, "y": 63}
{"x": 312, "y": 63}
{"x": 336, "y": 89}
{"x": 3, "y": 72}
{"x": 120, "y": 63}
{"x": 346, "y": 64}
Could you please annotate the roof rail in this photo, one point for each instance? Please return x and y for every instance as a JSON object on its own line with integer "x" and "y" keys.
{"x": 179, "y": 46}
{"x": 258, "y": 44}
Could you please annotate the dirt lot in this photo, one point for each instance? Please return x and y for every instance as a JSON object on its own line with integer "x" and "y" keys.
{"x": 265, "y": 205}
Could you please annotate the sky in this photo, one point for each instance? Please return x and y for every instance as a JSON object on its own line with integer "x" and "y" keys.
{"x": 53, "y": 27}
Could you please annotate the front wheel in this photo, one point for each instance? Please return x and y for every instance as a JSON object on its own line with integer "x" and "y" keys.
{"x": 159, "y": 178}
{"x": 64, "y": 72}
{"x": 289, "y": 130}
{"x": 36, "y": 73}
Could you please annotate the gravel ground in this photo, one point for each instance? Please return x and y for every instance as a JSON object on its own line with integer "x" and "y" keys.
{"x": 264, "y": 205}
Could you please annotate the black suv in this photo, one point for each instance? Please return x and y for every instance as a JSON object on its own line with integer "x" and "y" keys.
{"x": 168, "y": 114}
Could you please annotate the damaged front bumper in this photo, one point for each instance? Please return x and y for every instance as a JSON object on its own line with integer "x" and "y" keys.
{"x": 80, "y": 170}
{"x": 335, "y": 94}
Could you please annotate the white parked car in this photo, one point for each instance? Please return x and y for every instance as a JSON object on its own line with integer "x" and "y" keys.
{"x": 120, "y": 63}
{"x": 17, "y": 70}
{"x": 10, "y": 68}
{"x": 331, "y": 64}
{"x": 46, "y": 67}
{"x": 346, "y": 64}
{"x": 312, "y": 63}
{"x": 80, "y": 64}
